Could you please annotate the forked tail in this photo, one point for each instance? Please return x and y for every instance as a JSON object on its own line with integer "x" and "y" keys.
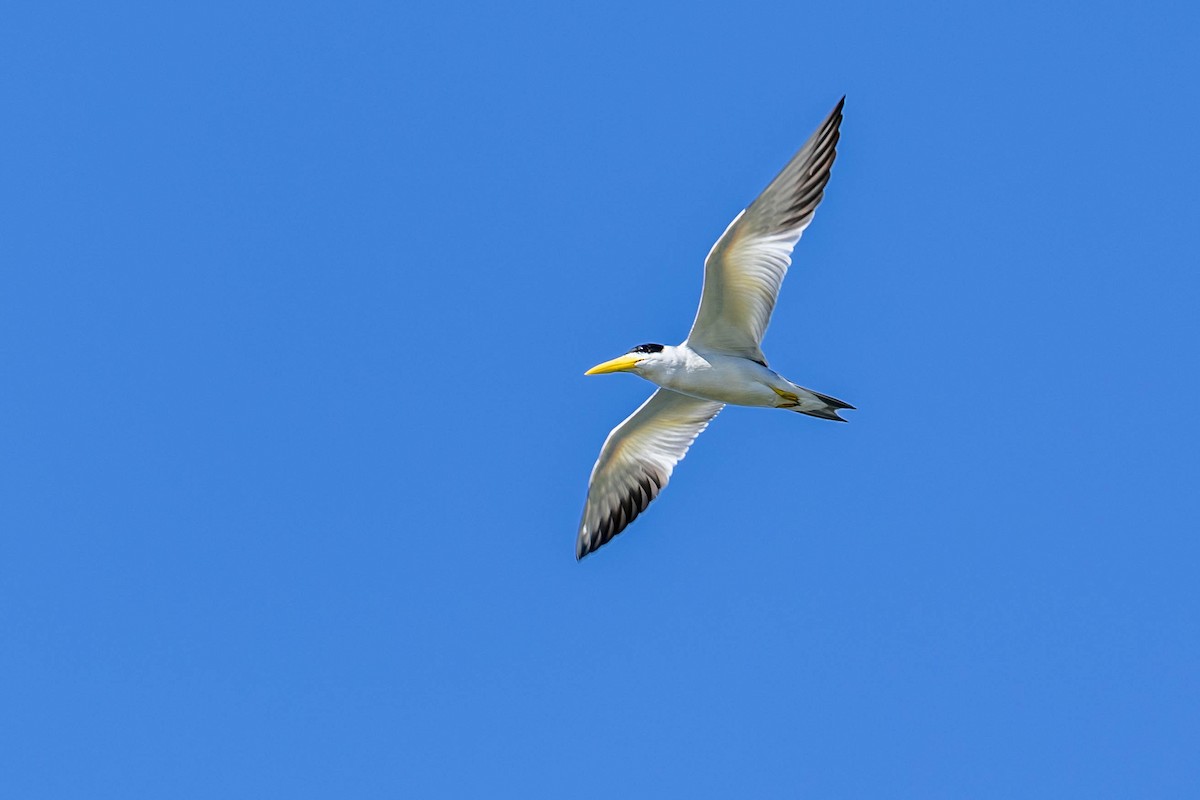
{"x": 820, "y": 405}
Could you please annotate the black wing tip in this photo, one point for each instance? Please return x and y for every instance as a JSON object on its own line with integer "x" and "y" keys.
{"x": 648, "y": 487}
{"x": 836, "y": 113}
{"x": 586, "y": 545}
{"x": 591, "y": 541}
{"x": 833, "y": 121}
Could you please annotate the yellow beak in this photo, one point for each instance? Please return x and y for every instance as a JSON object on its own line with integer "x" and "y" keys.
{"x": 618, "y": 364}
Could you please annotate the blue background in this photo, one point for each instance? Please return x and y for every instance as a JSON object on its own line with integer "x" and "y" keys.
{"x": 296, "y": 302}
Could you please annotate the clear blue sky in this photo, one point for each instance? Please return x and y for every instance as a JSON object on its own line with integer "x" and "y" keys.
{"x": 295, "y": 304}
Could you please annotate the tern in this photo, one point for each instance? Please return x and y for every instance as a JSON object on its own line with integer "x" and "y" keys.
{"x": 721, "y": 361}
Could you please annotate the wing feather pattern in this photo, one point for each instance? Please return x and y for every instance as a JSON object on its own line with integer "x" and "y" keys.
{"x": 745, "y": 268}
{"x": 636, "y": 462}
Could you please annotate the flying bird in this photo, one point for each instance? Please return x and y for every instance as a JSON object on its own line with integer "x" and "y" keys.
{"x": 721, "y": 361}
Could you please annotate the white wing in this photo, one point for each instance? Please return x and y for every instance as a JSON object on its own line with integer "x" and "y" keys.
{"x": 745, "y": 268}
{"x": 636, "y": 462}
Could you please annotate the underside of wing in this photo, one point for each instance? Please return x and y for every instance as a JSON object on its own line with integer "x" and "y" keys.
{"x": 745, "y": 268}
{"x": 636, "y": 462}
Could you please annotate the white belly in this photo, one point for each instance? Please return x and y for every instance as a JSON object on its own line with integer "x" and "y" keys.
{"x": 727, "y": 379}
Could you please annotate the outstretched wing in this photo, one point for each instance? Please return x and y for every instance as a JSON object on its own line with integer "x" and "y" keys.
{"x": 636, "y": 462}
{"x": 745, "y": 268}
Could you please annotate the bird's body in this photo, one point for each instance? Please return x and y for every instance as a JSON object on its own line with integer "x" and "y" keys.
{"x": 726, "y": 379}
{"x": 721, "y": 362}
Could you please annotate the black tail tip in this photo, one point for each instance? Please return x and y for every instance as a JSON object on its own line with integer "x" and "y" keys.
{"x": 826, "y": 413}
{"x": 833, "y": 402}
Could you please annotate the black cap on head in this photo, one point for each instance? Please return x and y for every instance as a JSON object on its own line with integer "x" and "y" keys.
{"x": 647, "y": 348}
